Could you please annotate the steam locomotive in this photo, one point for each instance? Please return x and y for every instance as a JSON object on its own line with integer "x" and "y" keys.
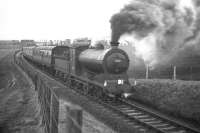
{"x": 97, "y": 70}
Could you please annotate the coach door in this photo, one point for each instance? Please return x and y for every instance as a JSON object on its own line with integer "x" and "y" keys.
{"x": 72, "y": 60}
{"x": 67, "y": 58}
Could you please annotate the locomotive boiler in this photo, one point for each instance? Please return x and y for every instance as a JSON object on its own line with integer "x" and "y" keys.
{"x": 113, "y": 61}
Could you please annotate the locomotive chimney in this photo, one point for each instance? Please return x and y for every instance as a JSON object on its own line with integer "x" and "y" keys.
{"x": 116, "y": 44}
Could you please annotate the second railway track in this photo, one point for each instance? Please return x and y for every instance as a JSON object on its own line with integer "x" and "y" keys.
{"x": 135, "y": 116}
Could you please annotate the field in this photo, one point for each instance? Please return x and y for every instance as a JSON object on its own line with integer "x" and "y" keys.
{"x": 176, "y": 97}
{"x": 9, "y": 47}
{"x": 18, "y": 106}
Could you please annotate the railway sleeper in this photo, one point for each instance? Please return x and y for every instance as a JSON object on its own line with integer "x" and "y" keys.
{"x": 161, "y": 125}
{"x": 141, "y": 116}
{"x": 135, "y": 114}
{"x": 168, "y": 128}
{"x": 129, "y": 111}
{"x": 125, "y": 109}
{"x": 147, "y": 119}
{"x": 164, "y": 127}
{"x": 154, "y": 122}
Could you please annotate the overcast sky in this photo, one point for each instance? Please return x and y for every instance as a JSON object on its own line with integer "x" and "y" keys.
{"x": 56, "y": 19}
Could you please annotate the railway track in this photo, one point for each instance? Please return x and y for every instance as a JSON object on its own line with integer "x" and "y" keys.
{"x": 142, "y": 118}
{"x": 145, "y": 120}
{"x": 136, "y": 116}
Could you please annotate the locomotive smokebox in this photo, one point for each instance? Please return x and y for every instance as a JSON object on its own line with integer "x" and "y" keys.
{"x": 116, "y": 44}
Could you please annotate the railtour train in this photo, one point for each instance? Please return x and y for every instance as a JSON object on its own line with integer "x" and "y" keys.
{"x": 97, "y": 70}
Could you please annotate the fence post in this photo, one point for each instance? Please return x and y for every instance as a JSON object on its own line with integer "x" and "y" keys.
{"x": 73, "y": 119}
{"x": 45, "y": 102}
{"x": 191, "y": 73}
{"x": 147, "y": 71}
{"x": 174, "y": 73}
{"x": 47, "y": 105}
{"x": 54, "y": 113}
{"x": 36, "y": 81}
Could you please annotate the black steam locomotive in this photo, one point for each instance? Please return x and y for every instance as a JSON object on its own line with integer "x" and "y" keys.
{"x": 95, "y": 69}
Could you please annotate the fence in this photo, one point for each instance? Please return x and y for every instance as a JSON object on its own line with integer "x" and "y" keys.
{"x": 49, "y": 102}
{"x": 167, "y": 72}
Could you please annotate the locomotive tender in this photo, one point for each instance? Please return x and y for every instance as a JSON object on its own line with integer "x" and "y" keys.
{"x": 86, "y": 67}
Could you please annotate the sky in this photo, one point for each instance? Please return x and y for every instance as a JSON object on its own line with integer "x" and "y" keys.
{"x": 57, "y": 19}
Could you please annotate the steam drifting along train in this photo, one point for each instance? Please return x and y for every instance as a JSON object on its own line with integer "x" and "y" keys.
{"x": 96, "y": 70}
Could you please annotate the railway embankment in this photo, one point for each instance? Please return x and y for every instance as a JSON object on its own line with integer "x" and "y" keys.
{"x": 19, "y": 111}
{"x": 20, "y": 108}
{"x": 175, "y": 97}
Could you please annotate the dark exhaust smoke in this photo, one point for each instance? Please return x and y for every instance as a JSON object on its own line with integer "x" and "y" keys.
{"x": 129, "y": 20}
{"x": 167, "y": 26}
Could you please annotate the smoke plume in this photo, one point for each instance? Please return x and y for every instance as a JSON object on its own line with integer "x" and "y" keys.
{"x": 158, "y": 29}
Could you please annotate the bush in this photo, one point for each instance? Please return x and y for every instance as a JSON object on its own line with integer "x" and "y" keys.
{"x": 180, "y": 98}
